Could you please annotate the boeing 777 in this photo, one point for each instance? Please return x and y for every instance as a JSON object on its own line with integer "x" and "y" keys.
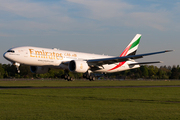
{"x": 41, "y": 60}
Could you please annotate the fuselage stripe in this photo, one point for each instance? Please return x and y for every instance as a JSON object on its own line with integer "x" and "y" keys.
{"x": 123, "y": 54}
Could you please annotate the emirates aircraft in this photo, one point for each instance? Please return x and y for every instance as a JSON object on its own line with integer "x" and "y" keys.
{"x": 41, "y": 60}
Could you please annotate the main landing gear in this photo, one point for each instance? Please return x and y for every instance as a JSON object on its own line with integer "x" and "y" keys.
{"x": 86, "y": 75}
{"x": 66, "y": 76}
{"x": 89, "y": 76}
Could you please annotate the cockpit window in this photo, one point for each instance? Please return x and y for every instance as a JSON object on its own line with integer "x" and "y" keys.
{"x": 11, "y": 51}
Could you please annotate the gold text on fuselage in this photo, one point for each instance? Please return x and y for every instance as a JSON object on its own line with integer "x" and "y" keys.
{"x": 50, "y": 55}
{"x": 45, "y": 54}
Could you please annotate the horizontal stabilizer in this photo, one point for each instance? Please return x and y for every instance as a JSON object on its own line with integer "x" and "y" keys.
{"x": 140, "y": 63}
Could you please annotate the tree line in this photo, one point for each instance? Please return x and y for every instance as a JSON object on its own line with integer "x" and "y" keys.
{"x": 144, "y": 72}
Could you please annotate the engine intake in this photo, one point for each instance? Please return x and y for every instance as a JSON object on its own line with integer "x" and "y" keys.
{"x": 78, "y": 66}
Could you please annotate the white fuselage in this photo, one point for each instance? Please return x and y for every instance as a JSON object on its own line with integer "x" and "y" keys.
{"x": 36, "y": 56}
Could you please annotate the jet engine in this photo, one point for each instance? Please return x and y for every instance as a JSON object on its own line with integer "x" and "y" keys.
{"x": 78, "y": 66}
{"x": 39, "y": 70}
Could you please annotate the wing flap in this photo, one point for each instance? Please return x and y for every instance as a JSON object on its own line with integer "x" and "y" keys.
{"x": 144, "y": 63}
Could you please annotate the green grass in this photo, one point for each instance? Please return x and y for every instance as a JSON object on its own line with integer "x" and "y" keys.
{"x": 54, "y": 83}
{"x": 158, "y": 103}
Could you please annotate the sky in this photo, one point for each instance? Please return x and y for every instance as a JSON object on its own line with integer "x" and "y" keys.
{"x": 92, "y": 26}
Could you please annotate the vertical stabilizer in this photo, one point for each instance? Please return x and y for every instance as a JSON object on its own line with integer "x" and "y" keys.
{"x": 132, "y": 47}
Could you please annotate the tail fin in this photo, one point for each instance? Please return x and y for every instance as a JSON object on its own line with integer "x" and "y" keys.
{"x": 132, "y": 47}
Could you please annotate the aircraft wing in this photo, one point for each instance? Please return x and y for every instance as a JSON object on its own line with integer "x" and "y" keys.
{"x": 100, "y": 62}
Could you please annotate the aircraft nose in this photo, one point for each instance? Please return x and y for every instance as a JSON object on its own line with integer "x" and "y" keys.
{"x": 5, "y": 55}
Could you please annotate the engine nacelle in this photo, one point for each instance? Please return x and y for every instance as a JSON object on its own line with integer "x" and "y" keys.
{"x": 39, "y": 70}
{"x": 78, "y": 66}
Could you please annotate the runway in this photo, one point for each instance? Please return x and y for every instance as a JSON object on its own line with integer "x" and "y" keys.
{"x": 83, "y": 87}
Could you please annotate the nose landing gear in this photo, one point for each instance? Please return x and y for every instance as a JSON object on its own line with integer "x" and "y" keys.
{"x": 17, "y": 66}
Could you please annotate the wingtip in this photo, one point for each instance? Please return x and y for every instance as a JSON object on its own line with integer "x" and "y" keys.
{"x": 169, "y": 50}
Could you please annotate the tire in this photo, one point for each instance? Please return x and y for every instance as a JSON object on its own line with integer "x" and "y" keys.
{"x": 92, "y": 78}
{"x": 87, "y": 77}
{"x": 71, "y": 79}
{"x": 65, "y": 77}
{"x": 68, "y": 78}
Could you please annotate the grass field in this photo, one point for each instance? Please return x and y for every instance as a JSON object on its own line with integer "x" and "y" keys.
{"x": 154, "y": 103}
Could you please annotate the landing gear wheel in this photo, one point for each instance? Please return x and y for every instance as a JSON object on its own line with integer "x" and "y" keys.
{"x": 92, "y": 78}
{"x": 67, "y": 77}
{"x": 89, "y": 76}
{"x": 86, "y": 76}
{"x": 70, "y": 79}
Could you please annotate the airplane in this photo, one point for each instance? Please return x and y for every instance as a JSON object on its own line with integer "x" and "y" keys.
{"x": 41, "y": 60}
